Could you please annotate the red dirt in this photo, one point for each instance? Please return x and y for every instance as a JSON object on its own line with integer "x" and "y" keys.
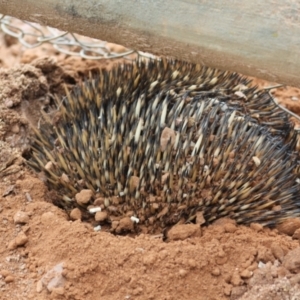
{"x": 222, "y": 261}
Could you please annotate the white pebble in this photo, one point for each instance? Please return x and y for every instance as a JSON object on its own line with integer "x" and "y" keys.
{"x": 97, "y": 228}
{"x": 134, "y": 219}
{"x": 93, "y": 210}
{"x": 261, "y": 265}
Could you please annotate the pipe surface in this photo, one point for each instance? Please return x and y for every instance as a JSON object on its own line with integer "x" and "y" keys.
{"x": 257, "y": 38}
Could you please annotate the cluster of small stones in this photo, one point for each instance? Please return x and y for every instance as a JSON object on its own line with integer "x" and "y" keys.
{"x": 163, "y": 142}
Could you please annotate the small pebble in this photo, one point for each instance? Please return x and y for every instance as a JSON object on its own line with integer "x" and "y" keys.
{"x": 58, "y": 291}
{"x": 125, "y": 225}
{"x": 15, "y": 128}
{"x": 76, "y": 214}
{"x": 282, "y": 272}
{"x": 192, "y": 263}
{"x": 296, "y": 234}
{"x": 39, "y": 286}
{"x": 99, "y": 201}
{"x": 227, "y": 289}
{"x": 221, "y": 253}
{"x": 134, "y": 219}
{"x": 289, "y": 227}
{"x": 200, "y": 218}
{"x": 100, "y": 216}
{"x": 9, "y": 103}
{"x": 253, "y": 267}
{"x": 21, "y": 217}
{"x": 114, "y": 225}
{"x": 223, "y": 221}
{"x": 4, "y": 273}
{"x": 292, "y": 261}
{"x": 277, "y": 251}
{"x": 84, "y": 197}
{"x": 216, "y": 272}
{"x": 21, "y": 239}
{"x": 236, "y": 280}
{"x": 94, "y": 210}
{"x": 97, "y": 228}
{"x": 184, "y": 231}
{"x": 246, "y": 274}
{"x": 9, "y": 279}
{"x": 231, "y": 228}
{"x": 256, "y": 227}
{"x": 182, "y": 273}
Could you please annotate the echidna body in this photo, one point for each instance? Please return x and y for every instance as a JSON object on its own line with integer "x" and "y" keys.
{"x": 169, "y": 139}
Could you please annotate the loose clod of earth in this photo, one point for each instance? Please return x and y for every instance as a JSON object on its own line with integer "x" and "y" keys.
{"x": 161, "y": 141}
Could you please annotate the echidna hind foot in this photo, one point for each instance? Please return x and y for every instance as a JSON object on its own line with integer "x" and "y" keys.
{"x": 165, "y": 140}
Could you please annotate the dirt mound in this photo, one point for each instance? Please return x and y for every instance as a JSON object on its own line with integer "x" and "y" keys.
{"x": 44, "y": 255}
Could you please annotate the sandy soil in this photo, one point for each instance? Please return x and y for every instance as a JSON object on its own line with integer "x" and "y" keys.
{"x": 44, "y": 255}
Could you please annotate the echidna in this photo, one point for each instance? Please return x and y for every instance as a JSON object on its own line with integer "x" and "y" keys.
{"x": 163, "y": 140}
